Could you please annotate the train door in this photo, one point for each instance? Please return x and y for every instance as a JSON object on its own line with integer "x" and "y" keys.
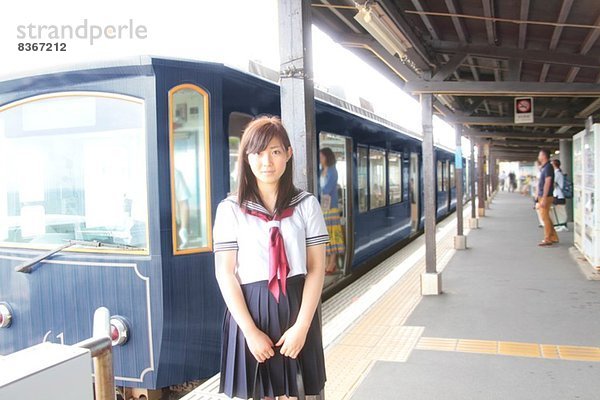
{"x": 414, "y": 191}
{"x": 451, "y": 184}
{"x": 337, "y": 150}
{"x": 237, "y": 124}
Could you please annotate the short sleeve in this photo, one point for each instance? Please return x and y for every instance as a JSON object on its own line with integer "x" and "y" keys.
{"x": 316, "y": 231}
{"x": 225, "y": 228}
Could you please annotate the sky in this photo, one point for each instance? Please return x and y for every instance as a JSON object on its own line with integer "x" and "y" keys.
{"x": 228, "y": 31}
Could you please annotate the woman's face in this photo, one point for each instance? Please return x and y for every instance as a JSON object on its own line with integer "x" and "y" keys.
{"x": 322, "y": 159}
{"x": 269, "y": 165}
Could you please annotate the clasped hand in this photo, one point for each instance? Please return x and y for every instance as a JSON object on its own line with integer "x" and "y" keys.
{"x": 290, "y": 343}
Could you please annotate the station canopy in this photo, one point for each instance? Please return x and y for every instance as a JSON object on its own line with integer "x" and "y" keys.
{"x": 482, "y": 59}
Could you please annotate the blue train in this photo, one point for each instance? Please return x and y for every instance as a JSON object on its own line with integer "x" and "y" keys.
{"x": 110, "y": 175}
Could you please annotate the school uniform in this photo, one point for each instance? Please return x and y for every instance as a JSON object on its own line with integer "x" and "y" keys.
{"x": 272, "y": 299}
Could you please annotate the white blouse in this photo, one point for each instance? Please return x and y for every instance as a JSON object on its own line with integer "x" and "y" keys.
{"x": 249, "y": 235}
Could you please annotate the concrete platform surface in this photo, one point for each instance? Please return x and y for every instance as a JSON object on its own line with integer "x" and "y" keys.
{"x": 515, "y": 321}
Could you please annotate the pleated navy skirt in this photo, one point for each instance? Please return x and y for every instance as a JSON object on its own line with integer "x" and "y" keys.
{"x": 278, "y": 374}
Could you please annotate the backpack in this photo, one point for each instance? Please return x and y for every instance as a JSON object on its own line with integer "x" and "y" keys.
{"x": 567, "y": 188}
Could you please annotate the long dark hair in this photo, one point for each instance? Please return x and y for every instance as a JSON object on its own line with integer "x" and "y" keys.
{"x": 329, "y": 156}
{"x": 256, "y": 138}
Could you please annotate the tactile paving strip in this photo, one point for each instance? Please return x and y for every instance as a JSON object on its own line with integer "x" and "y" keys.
{"x": 381, "y": 329}
{"x": 517, "y": 349}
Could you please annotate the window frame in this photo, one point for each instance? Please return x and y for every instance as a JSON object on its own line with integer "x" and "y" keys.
{"x": 445, "y": 175}
{"x": 440, "y": 175}
{"x": 400, "y": 155}
{"x": 207, "y": 170}
{"x": 368, "y": 188}
{"x": 96, "y": 94}
{"x": 385, "y": 168}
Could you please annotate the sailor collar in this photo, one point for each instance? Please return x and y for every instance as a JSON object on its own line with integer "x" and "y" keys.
{"x": 257, "y": 207}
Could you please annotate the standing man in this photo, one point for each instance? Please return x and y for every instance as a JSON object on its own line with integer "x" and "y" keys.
{"x": 559, "y": 197}
{"x": 512, "y": 181}
{"x": 545, "y": 197}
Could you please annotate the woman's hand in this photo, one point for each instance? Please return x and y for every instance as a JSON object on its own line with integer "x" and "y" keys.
{"x": 292, "y": 341}
{"x": 260, "y": 345}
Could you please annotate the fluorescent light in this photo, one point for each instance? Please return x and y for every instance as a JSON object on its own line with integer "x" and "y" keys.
{"x": 383, "y": 29}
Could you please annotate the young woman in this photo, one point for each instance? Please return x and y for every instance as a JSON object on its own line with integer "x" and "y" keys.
{"x": 269, "y": 243}
{"x": 329, "y": 197}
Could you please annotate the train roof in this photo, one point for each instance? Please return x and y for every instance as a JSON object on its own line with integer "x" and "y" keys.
{"x": 143, "y": 65}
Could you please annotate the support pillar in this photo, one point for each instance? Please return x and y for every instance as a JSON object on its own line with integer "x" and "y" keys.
{"x": 492, "y": 176}
{"x": 481, "y": 179}
{"x": 488, "y": 184}
{"x": 297, "y": 89}
{"x": 297, "y": 95}
{"x": 431, "y": 280}
{"x": 473, "y": 222}
{"x": 460, "y": 240}
{"x": 566, "y": 165}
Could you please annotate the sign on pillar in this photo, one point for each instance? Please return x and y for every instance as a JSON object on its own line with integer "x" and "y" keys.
{"x": 523, "y": 110}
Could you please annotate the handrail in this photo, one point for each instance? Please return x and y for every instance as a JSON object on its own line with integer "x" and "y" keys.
{"x": 100, "y": 347}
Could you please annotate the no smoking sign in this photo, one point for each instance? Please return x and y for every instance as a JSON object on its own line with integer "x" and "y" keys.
{"x": 523, "y": 110}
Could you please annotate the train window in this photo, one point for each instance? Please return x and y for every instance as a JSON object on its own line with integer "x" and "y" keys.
{"x": 362, "y": 172}
{"x": 377, "y": 178}
{"x": 440, "y": 176}
{"x": 395, "y": 171}
{"x": 452, "y": 175}
{"x": 73, "y": 167}
{"x": 190, "y": 169}
{"x": 237, "y": 124}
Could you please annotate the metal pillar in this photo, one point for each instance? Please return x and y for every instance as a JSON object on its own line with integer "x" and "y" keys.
{"x": 481, "y": 179}
{"x": 486, "y": 161}
{"x": 492, "y": 175}
{"x": 566, "y": 165}
{"x": 297, "y": 88}
{"x": 460, "y": 241}
{"x": 298, "y": 95}
{"x": 473, "y": 222}
{"x": 431, "y": 283}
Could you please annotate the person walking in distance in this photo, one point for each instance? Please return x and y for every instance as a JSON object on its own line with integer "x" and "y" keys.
{"x": 502, "y": 178}
{"x": 545, "y": 197}
{"x": 512, "y": 182}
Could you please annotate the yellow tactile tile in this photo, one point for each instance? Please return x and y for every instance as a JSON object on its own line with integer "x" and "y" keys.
{"x": 579, "y": 353}
{"x": 358, "y": 339}
{"x": 345, "y": 365}
{"x": 397, "y": 343}
{"x": 441, "y": 344}
{"x": 477, "y": 346}
{"x": 519, "y": 349}
{"x": 379, "y": 334}
{"x": 550, "y": 351}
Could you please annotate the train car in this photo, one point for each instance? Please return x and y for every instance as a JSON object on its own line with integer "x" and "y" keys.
{"x": 109, "y": 179}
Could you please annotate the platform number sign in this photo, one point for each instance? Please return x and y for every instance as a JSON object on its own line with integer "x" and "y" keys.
{"x": 523, "y": 110}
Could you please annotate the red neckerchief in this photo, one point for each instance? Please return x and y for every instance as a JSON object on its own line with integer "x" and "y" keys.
{"x": 278, "y": 263}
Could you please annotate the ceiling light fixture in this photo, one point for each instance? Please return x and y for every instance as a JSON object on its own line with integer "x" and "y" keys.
{"x": 374, "y": 19}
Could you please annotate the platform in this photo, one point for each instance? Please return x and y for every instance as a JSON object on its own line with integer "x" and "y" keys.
{"x": 516, "y": 321}
{"x": 393, "y": 284}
